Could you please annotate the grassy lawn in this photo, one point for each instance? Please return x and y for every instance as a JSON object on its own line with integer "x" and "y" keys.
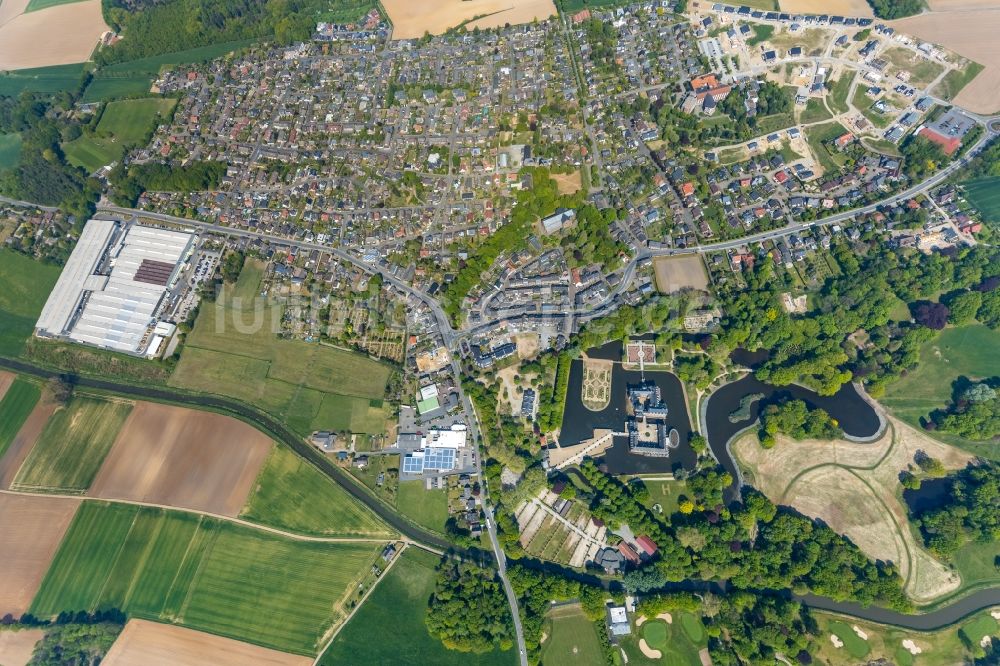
{"x": 425, "y": 507}
{"x": 71, "y": 357}
{"x": 975, "y": 563}
{"x": 863, "y": 103}
{"x": 837, "y": 97}
{"x": 885, "y": 643}
{"x": 956, "y": 79}
{"x": 679, "y": 641}
{"x": 234, "y": 350}
{"x": 292, "y": 494}
{"x": 122, "y": 124}
{"x": 666, "y": 494}
{"x": 984, "y": 194}
{"x": 36, "y": 5}
{"x": 72, "y": 446}
{"x": 814, "y": 112}
{"x": 10, "y": 151}
{"x": 204, "y": 574}
{"x": 26, "y": 286}
{"x": 922, "y": 71}
{"x": 956, "y": 352}
{"x": 399, "y": 605}
{"x": 41, "y": 79}
{"x": 761, "y": 33}
{"x": 818, "y": 138}
{"x": 775, "y": 122}
{"x": 17, "y": 403}
{"x": 571, "y": 640}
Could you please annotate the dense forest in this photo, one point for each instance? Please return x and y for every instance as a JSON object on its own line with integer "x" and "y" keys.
{"x": 894, "y": 9}
{"x": 130, "y": 182}
{"x": 43, "y": 175}
{"x": 970, "y": 513}
{"x": 468, "y": 610}
{"x": 974, "y": 413}
{"x": 153, "y": 28}
{"x": 795, "y": 419}
{"x": 813, "y": 349}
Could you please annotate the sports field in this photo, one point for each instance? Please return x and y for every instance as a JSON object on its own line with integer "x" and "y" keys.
{"x": 17, "y": 403}
{"x": 293, "y": 495}
{"x": 10, "y": 151}
{"x": 234, "y": 350}
{"x": 425, "y": 507}
{"x": 122, "y": 124}
{"x": 183, "y": 458}
{"x": 572, "y": 640}
{"x": 984, "y": 194}
{"x": 72, "y": 446}
{"x": 956, "y": 352}
{"x": 399, "y": 605}
{"x": 204, "y": 574}
{"x": 26, "y": 286}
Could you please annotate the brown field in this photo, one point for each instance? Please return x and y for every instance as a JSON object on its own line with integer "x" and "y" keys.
{"x": 953, "y": 5}
{"x": 58, "y": 35}
{"x": 676, "y": 273}
{"x": 567, "y": 183}
{"x": 184, "y": 458}
{"x": 6, "y": 379}
{"x": 145, "y": 643}
{"x": 25, "y": 439}
{"x": 9, "y": 9}
{"x": 971, "y": 34}
{"x": 32, "y": 528}
{"x": 854, "y": 489}
{"x": 16, "y": 646}
{"x": 411, "y": 20}
{"x": 841, "y": 7}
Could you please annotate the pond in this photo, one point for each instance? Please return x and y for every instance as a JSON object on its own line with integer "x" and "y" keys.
{"x": 932, "y": 494}
{"x": 852, "y": 411}
{"x": 579, "y": 422}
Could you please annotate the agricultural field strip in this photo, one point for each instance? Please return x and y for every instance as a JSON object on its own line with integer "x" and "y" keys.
{"x": 361, "y": 602}
{"x": 217, "y": 516}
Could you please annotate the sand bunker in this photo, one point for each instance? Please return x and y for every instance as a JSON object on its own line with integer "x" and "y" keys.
{"x": 837, "y": 643}
{"x": 861, "y": 633}
{"x": 912, "y": 647}
{"x": 649, "y": 652}
{"x": 666, "y": 617}
{"x": 59, "y": 35}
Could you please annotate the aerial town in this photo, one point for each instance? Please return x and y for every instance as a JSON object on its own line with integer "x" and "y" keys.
{"x": 587, "y": 332}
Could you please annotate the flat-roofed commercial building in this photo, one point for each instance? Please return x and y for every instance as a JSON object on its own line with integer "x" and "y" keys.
{"x": 111, "y": 290}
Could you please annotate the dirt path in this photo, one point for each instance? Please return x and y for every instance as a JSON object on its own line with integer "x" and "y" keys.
{"x": 238, "y": 521}
{"x": 853, "y": 487}
{"x": 6, "y": 379}
{"x": 24, "y": 441}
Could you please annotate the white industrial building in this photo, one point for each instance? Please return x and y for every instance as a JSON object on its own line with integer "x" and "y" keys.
{"x": 111, "y": 290}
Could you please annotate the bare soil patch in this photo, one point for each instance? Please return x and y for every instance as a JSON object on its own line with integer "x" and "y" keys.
{"x": 953, "y": 5}
{"x": 836, "y": 7}
{"x": 16, "y": 646}
{"x": 24, "y": 441}
{"x": 567, "y": 183}
{"x": 971, "y": 33}
{"x": 145, "y": 643}
{"x": 6, "y": 379}
{"x": 32, "y": 528}
{"x": 527, "y": 344}
{"x": 676, "y": 273}
{"x": 854, "y": 488}
{"x": 184, "y": 458}
{"x": 411, "y": 20}
{"x": 10, "y": 9}
{"x": 59, "y": 35}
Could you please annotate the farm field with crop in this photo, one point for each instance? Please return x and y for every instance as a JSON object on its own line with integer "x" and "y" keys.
{"x": 234, "y": 350}
{"x": 293, "y": 495}
{"x": 984, "y": 194}
{"x": 72, "y": 445}
{"x": 27, "y": 284}
{"x": 18, "y": 401}
{"x": 400, "y": 602}
{"x": 205, "y": 574}
{"x": 184, "y": 458}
